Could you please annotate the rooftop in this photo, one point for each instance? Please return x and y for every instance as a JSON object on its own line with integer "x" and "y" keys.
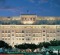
{"x": 39, "y": 20}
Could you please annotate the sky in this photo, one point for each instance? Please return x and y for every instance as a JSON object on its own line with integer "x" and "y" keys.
{"x": 38, "y": 7}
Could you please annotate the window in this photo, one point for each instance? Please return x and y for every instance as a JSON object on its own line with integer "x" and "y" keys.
{"x": 16, "y": 35}
{"x": 2, "y": 35}
{"x": 8, "y": 31}
{"x": 5, "y": 31}
{"x": 2, "y": 31}
{"x": 47, "y": 35}
{"x": 22, "y": 35}
{"x": 22, "y": 38}
{"x": 12, "y": 34}
{"x": 43, "y": 38}
{"x": 13, "y": 43}
{"x": 33, "y": 34}
{"x": 33, "y": 19}
{"x": 33, "y": 38}
{"x": 25, "y": 18}
{"x": 36, "y": 38}
{"x": 22, "y": 18}
{"x": 8, "y": 35}
{"x": 29, "y": 34}
{"x": 28, "y": 39}
{"x": 43, "y": 26}
{"x": 43, "y": 30}
{"x": 58, "y": 31}
{"x": 30, "y": 18}
{"x": 26, "y": 34}
{"x": 22, "y": 31}
{"x": 5, "y": 38}
{"x": 43, "y": 34}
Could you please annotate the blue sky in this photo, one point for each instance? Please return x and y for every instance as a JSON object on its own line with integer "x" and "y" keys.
{"x": 39, "y": 7}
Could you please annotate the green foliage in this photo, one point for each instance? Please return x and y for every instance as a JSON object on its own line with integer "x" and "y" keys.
{"x": 45, "y": 44}
{"x": 40, "y": 45}
{"x": 4, "y": 45}
{"x": 26, "y": 46}
{"x": 51, "y": 43}
{"x": 55, "y": 43}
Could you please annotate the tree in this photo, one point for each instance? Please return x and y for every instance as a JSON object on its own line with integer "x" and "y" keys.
{"x": 55, "y": 42}
{"x": 4, "y": 45}
{"x": 26, "y": 46}
{"x": 45, "y": 44}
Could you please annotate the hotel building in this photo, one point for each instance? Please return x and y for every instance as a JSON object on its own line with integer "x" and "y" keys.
{"x": 29, "y": 28}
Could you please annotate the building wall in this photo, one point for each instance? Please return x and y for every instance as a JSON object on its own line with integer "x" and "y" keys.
{"x": 18, "y": 34}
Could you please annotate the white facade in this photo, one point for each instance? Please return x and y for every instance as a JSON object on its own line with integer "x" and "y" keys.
{"x": 18, "y": 34}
